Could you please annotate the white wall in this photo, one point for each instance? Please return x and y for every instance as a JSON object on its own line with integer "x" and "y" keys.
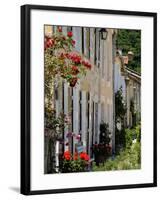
{"x": 10, "y": 108}
{"x": 119, "y": 80}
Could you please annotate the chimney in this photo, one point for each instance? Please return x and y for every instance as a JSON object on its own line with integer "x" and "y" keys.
{"x": 130, "y": 55}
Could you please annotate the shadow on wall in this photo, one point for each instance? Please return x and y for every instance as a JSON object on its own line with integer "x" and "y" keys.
{"x": 15, "y": 189}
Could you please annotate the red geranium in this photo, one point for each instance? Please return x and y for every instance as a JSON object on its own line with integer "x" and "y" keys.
{"x": 75, "y": 70}
{"x": 84, "y": 156}
{"x": 49, "y": 42}
{"x": 70, "y": 34}
{"x": 67, "y": 155}
{"x": 75, "y": 156}
{"x": 86, "y": 64}
{"x": 68, "y": 64}
{"x": 75, "y": 57}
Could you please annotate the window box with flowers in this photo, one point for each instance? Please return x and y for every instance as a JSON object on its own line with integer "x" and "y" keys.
{"x": 74, "y": 163}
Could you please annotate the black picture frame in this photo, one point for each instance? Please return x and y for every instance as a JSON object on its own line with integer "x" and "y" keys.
{"x": 26, "y": 95}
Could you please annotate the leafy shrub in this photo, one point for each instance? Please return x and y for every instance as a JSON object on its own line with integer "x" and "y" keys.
{"x": 104, "y": 133}
{"x": 127, "y": 159}
{"x": 132, "y": 134}
{"x": 120, "y": 140}
{"x": 120, "y": 111}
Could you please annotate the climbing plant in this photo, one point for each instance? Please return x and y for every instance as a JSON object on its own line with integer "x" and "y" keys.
{"x": 61, "y": 64}
{"x": 120, "y": 106}
{"x": 104, "y": 133}
{"x": 61, "y": 60}
{"x": 120, "y": 111}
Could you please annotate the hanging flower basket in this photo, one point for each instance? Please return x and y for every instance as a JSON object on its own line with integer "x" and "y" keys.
{"x": 61, "y": 60}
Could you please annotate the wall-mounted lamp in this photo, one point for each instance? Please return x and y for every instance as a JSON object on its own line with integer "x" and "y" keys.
{"x": 103, "y": 33}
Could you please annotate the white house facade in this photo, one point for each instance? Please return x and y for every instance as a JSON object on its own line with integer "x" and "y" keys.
{"x": 92, "y": 100}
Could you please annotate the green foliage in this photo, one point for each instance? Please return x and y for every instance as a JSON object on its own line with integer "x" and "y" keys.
{"x": 120, "y": 111}
{"x": 76, "y": 163}
{"x": 127, "y": 159}
{"x": 104, "y": 133}
{"x": 69, "y": 166}
{"x": 54, "y": 126}
{"x": 120, "y": 107}
{"x": 120, "y": 140}
{"x": 132, "y": 134}
{"x": 130, "y": 40}
{"x": 102, "y": 150}
{"x": 138, "y": 132}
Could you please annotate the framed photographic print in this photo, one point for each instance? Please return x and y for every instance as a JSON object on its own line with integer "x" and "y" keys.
{"x": 88, "y": 99}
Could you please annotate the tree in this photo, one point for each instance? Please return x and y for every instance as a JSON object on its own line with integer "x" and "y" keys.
{"x": 130, "y": 40}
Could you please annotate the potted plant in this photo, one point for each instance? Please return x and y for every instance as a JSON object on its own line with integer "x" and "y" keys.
{"x": 101, "y": 152}
{"x": 74, "y": 163}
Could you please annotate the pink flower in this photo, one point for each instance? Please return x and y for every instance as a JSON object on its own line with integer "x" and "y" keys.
{"x": 73, "y": 42}
{"x": 78, "y": 137}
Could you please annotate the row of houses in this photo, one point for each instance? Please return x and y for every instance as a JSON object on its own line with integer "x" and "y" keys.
{"x": 92, "y": 101}
{"x": 130, "y": 82}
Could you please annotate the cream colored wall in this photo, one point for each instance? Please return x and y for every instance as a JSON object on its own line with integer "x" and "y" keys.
{"x": 100, "y": 87}
{"x": 132, "y": 89}
{"x": 132, "y": 86}
{"x": 48, "y": 30}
